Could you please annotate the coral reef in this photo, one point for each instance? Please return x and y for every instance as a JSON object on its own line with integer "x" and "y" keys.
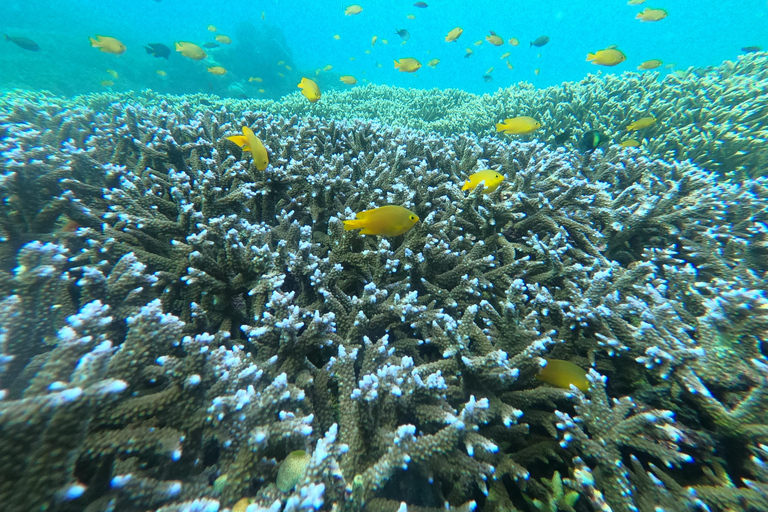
{"x": 175, "y": 323}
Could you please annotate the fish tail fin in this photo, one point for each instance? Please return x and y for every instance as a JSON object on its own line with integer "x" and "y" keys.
{"x": 149, "y": 50}
{"x": 591, "y": 57}
{"x": 349, "y": 225}
{"x": 500, "y": 127}
{"x": 239, "y": 140}
{"x": 397, "y": 65}
{"x": 94, "y": 43}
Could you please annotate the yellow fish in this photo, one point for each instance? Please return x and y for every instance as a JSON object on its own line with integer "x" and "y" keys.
{"x": 255, "y": 79}
{"x": 291, "y": 470}
{"x": 650, "y": 64}
{"x": 289, "y": 68}
{"x": 490, "y": 70}
{"x": 509, "y": 65}
{"x": 348, "y": 79}
{"x": 328, "y": 67}
{"x": 454, "y": 34}
{"x": 248, "y": 141}
{"x": 281, "y": 75}
{"x": 280, "y": 62}
{"x": 211, "y": 28}
{"x": 607, "y": 57}
{"x": 635, "y": 2}
{"x": 353, "y": 9}
{"x": 505, "y": 55}
{"x": 469, "y": 53}
{"x": 373, "y": 40}
{"x": 217, "y": 70}
{"x": 649, "y": 14}
{"x": 410, "y": 16}
{"x": 645, "y": 122}
{"x": 367, "y": 51}
{"x": 387, "y": 220}
{"x": 309, "y": 89}
{"x": 564, "y": 373}
{"x": 433, "y": 63}
{"x": 494, "y": 39}
{"x": 407, "y": 65}
{"x": 262, "y": 91}
{"x": 490, "y": 180}
{"x": 536, "y": 71}
{"x": 478, "y": 42}
{"x": 336, "y": 36}
{"x": 190, "y": 50}
{"x": 263, "y": 14}
{"x": 161, "y": 72}
{"x": 107, "y": 83}
{"x": 514, "y": 41}
{"x": 384, "y": 41}
{"x": 107, "y": 44}
{"x": 352, "y": 58}
{"x": 630, "y": 143}
{"x": 521, "y": 125}
{"x": 113, "y": 73}
{"x": 223, "y": 39}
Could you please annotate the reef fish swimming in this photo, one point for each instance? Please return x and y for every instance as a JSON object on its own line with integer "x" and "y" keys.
{"x": 489, "y": 178}
{"x": 23, "y": 42}
{"x": 644, "y": 122}
{"x": 607, "y": 57}
{"x": 540, "y": 41}
{"x": 521, "y": 125}
{"x": 248, "y": 141}
{"x": 107, "y": 44}
{"x": 403, "y": 33}
{"x": 407, "y": 65}
{"x": 564, "y": 374}
{"x": 309, "y": 89}
{"x": 649, "y": 14}
{"x": 190, "y": 50}
{"x": 454, "y": 34}
{"x": 158, "y": 50}
{"x": 390, "y": 220}
{"x": 590, "y": 141}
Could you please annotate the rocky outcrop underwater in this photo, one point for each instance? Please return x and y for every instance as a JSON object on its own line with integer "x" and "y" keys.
{"x": 182, "y": 332}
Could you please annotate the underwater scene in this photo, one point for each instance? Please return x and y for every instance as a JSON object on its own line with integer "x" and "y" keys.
{"x": 387, "y": 256}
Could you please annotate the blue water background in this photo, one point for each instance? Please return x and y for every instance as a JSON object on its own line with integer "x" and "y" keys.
{"x": 700, "y": 33}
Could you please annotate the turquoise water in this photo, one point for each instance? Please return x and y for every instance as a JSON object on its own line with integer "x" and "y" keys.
{"x": 302, "y": 34}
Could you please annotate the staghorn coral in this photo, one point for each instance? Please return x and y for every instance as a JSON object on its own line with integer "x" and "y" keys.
{"x": 403, "y": 366}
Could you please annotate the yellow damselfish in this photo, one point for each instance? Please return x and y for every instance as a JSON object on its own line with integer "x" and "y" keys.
{"x": 645, "y": 122}
{"x": 390, "y": 220}
{"x": 563, "y": 374}
{"x": 630, "y": 143}
{"x": 309, "y": 89}
{"x": 650, "y": 64}
{"x": 490, "y": 179}
{"x": 407, "y": 65}
{"x": 107, "y": 44}
{"x": 520, "y": 125}
{"x": 353, "y": 9}
{"x": 348, "y": 79}
{"x": 433, "y": 63}
{"x": 223, "y": 39}
{"x": 607, "y": 57}
{"x": 650, "y": 14}
{"x": 248, "y": 141}
{"x": 190, "y": 50}
{"x": 217, "y": 70}
{"x": 454, "y": 34}
{"x": 494, "y": 39}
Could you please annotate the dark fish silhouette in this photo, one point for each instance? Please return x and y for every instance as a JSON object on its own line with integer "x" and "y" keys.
{"x": 540, "y": 41}
{"x": 403, "y": 33}
{"x": 23, "y": 42}
{"x": 488, "y": 78}
{"x": 158, "y": 50}
{"x": 590, "y": 141}
{"x": 210, "y": 45}
{"x": 421, "y": 4}
{"x": 747, "y": 49}
{"x": 562, "y": 138}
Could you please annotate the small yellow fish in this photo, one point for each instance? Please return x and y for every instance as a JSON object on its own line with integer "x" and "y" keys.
{"x": 469, "y": 53}
{"x": 281, "y": 75}
{"x": 521, "y": 125}
{"x": 309, "y": 89}
{"x": 113, "y": 73}
{"x": 107, "y": 83}
{"x": 367, "y": 52}
{"x": 630, "y": 143}
{"x": 190, "y": 50}
{"x": 645, "y": 122}
{"x": 348, "y": 79}
{"x": 242, "y": 504}
{"x": 262, "y": 91}
{"x": 352, "y": 10}
{"x": 248, "y": 141}
{"x": 387, "y": 220}
{"x": 650, "y": 64}
{"x": 255, "y": 79}
{"x": 509, "y": 65}
{"x": 211, "y": 28}
{"x": 635, "y": 2}
{"x": 564, "y": 373}
{"x": 490, "y": 180}
{"x": 263, "y": 14}
{"x": 494, "y": 39}
{"x": 607, "y": 57}
{"x": 161, "y": 72}
{"x": 328, "y": 67}
{"x": 373, "y": 40}
{"x": 514, "y": 41}
{"x": 649, "y": 14}
{"x": 107, "y": 44}
{"x": 454, "y": 34}
{"x": 384, "y": 41}
{"x": 490, "y": 70}
{"x": 291, "y": 470}
{"x": 433, "y": 63}
{"x": 280, "y": 62}
{"x": 217, "y": 70}
{"x": 478, "y": 42}
{"x": 536, "y": 71}
{"x": 352, "y": 58}
{"x": 288, "y": 68}
{"x": 336, "y": 36}
{"x": 410, "y": 16}
{"x": 223, "y": 39}
{"x": 505, "y": 55}
{"x": 407, "y": 65}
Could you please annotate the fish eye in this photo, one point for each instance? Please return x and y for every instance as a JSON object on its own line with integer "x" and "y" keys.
{"x": 412, "y": 217}
{"x": 496, "y": 176}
